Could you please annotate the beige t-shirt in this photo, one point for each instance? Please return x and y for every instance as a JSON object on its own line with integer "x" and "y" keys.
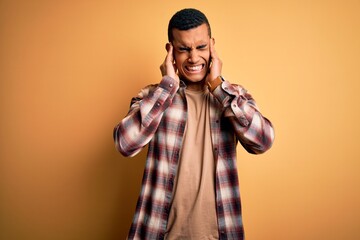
{"x": 193, "y": 210}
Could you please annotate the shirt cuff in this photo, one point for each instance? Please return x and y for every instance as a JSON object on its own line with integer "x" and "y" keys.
{"x": 168, "y": 83}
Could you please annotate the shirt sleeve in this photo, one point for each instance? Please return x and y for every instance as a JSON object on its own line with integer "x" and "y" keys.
{"x": 253, "y": 130}
{"x": 144, "y": 116}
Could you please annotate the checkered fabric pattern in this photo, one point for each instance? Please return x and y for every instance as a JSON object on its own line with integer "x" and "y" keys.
{"x": 157, "y": 117}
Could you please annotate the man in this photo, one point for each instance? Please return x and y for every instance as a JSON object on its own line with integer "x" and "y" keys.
{"x": 192, "y": 121}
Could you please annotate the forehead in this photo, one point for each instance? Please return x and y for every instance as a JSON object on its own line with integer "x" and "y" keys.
{"x": 193, "y": 36}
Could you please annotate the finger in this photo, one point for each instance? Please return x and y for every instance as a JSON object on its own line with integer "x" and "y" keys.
{"x": 216, "y": 64}
{"x": 212, "y": 49}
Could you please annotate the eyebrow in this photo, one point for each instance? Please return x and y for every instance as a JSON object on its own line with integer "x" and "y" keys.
{"x": 185, "y": 48}
{"x": 201, "y": 46}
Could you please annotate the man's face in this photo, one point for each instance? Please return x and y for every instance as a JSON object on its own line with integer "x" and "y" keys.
{"x": 192, "y": 53}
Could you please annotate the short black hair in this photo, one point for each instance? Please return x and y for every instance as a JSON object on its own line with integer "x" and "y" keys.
{"x": 186, "y": 19}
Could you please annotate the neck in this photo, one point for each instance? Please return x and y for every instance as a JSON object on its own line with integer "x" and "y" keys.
{"x": 195, "y": 86}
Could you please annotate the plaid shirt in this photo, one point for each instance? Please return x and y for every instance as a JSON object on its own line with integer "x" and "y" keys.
{"x": 157, "y": 117}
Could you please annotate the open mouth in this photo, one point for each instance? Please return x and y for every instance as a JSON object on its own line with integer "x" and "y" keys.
{"x": 195, "y": 68}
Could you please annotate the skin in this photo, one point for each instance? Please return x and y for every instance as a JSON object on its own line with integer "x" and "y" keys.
{"x": 188, "y": 58}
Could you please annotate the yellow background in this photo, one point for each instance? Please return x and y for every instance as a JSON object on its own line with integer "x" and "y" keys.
{"x": 68, "y": 70}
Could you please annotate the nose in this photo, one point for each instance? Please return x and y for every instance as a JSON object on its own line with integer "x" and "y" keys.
{"x": 193, "y": 56}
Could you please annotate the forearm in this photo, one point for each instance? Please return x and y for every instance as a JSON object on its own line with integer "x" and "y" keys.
{"x": 253, "y": 130}
{"x": 144, "y": 116}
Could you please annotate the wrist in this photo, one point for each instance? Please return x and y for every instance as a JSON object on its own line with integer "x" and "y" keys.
{"x": 215, "y": 83}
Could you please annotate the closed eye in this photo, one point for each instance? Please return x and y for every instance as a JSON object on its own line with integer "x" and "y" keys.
{"x": 201, "y": 46}
{"x": 185, "y": 49}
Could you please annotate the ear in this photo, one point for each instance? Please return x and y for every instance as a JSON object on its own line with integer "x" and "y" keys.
{"x": 167, "y": 46}
{"x": 213, "y": 41}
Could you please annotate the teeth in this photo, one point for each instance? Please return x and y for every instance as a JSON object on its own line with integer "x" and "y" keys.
{"x": 195, "y": 68}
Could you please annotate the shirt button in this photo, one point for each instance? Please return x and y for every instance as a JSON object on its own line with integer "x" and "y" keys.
{"x": 171, "y": 85}
{"x": 234, "y": 105}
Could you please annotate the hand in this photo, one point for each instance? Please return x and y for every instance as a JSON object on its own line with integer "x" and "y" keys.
{"x": 168, "y": 67}
{"x": 216, "y": 65}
